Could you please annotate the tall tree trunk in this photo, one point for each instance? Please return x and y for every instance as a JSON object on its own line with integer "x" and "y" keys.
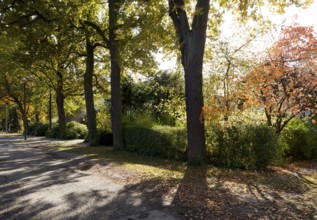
{"x": 37, "y": 117}
{"x": 50, "y": 110}
{"x": 24, "y": 115}
{"x": 60, "y": 108}
{"x": 116, "y": 102}
{"x": 89, "y": 96}
{"x": 192, "y": 46}
{"x": 21, "y": 106}
{"x": 22, "y": 110}
{"x": 194, "y": 106}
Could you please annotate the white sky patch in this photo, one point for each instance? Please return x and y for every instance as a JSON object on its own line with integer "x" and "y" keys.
{"x": 167, "y": 62}
{"x": 305, "y": 17}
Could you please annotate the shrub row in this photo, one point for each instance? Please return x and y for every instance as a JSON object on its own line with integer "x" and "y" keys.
{"x": 74, "y": 130}
{"x": 245, "y": 146}
{"x": 38, "y": 129}
{"x": 165, "y": 141}
{"x": 241, "y": 146}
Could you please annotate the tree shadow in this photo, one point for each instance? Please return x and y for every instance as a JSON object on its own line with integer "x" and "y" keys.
{"x": 202, "y": 193}
{"x": 193, "y": 188}
{"x": 206, "y": 194}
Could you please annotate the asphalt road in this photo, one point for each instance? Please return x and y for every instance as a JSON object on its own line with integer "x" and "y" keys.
{"x": 38, "y": 184}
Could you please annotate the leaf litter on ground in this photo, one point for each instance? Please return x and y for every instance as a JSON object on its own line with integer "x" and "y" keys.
{"x": 212, "y": 192}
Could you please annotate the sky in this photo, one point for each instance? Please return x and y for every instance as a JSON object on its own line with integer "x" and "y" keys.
{"x": 305, "y": 17}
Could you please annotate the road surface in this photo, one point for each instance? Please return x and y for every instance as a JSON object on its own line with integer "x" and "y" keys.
{"x": 39, "y": 184}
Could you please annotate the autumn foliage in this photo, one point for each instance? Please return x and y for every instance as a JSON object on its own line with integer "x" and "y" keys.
{"x": 284, "y": 83}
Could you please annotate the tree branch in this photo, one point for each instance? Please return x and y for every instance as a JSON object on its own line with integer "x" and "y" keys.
{"x": 99, "y": 31}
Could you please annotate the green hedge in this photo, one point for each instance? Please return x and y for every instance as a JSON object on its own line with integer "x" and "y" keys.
{"x": 41, "y": 130}
{"x": 245, "y": 146}
{"x": 53, "y": 132}
{"x": 32, "y": 128}
{"x": 38, "y": 129}
{"x": 299, "y": 140}
{"x": 74, "y": 130}
{"x": 166, "y": 142}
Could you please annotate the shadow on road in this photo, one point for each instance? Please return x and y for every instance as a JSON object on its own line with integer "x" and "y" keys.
{"x": 37, "y": 185}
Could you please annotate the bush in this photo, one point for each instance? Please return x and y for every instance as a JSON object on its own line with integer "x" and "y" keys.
{"x": 144, "y": 120}
{"x": 75, "y": 130}
{"x": 245, "y": 146}
{"x": 166, "y": 142}
{"x": 105, "y": 138}
{"x": 32, "y": 128}
{"x": 53, "y": 132}
{"x": 299, "y": 140}
{"x": 103, "y": 118}
{"x": 41, "y": 130}
{"x": 212, "y": 141}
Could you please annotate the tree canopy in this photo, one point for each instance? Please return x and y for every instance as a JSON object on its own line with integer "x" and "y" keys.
{"x": 86, "y": 50}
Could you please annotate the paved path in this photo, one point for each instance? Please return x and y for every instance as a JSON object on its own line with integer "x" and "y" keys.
{"x": 35, "y": 184}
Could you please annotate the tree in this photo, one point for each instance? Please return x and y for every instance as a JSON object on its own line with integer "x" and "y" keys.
{"x": 191, "y": 39}
{"x": 123, "y": 28}
{"x": 192, "y": 45}
{"x": 161, "y": 94}
{"x": 166, "y": 96}
{"x": 13, "y": 78}
{"x": 56, "y": 63}
{"x": 228, "y": 59}
{"x": 47, "y": 46}
{"x": 116, "y": 101}
{"x": 285, "y": 82}
{"x": 93, "y": 136}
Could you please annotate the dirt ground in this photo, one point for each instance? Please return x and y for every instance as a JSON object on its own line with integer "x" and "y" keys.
{"x": 38, "y": 182}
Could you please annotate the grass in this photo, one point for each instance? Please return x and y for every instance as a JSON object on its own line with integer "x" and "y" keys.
{"x": 144, "y": 164}
{"x": 213, "y": 188}
{"x": 277, "y": 178}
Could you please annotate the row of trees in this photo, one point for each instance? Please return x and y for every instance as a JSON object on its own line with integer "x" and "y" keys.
{"x": 58, "y": 46}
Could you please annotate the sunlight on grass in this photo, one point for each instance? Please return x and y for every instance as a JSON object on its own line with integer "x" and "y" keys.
{"x": 163, "y": 168}
{"x": 312, "y": 179}
{"x": 145, "y": 164}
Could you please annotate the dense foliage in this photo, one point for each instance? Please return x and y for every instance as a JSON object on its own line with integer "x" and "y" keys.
{"x": 74, "y": 130}
{"x": 90, "y": 68}
{"x": 245, "y": 146}
{"x": 299, "y": 140}
{"x": 285, "y": 83}
{"x": 164, "y": 141}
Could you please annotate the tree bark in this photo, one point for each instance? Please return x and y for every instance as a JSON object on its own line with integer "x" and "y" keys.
{"x": 60, "y": 98}
{"x": 192, "y": 46}
{"x": 24, "y": 115}
{"x": 93, "y": 137}
{"x": 37, "y": 117}
{"x": 194, "y": 105}
{"x": 116, "y": 102}
{"x": 21, "y": 106}
{"x": 50, "y": 110}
